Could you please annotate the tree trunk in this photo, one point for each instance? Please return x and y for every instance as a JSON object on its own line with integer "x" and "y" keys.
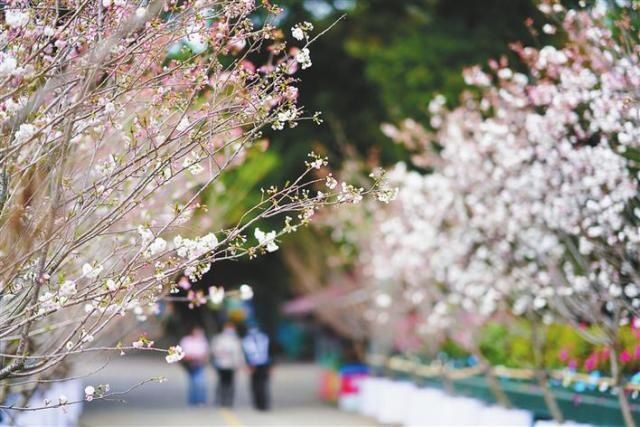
{"x": 541, "y": 374}
{"x": 494, "y": 385}
{"x": 492, "y": 381}
{"x": 447, "y": 383}
{"x": 549, "y": 397}
{"x": 625, "y": 408}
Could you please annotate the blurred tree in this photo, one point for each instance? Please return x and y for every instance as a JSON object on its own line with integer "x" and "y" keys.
{"x": 382, "y": 62}
{"x": 387, "y": 59}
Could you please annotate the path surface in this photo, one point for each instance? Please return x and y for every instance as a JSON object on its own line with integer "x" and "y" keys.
{"x": 294, "y": 388}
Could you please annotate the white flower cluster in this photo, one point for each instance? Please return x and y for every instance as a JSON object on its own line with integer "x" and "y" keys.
{"x": 153, "y": 245}
{"x": 266, "y": 240}
{"x": 89, "y": 392}
{"x": 192, "y": 163}
{"x": 174, "y": 354}
{"x": 16, "y": 18}
{"x": 303, "y": 57}
{"x": 350, "y": 193}
{"x": 91, "y": 271}
{"x": 183, "y": 125}
{"x": 216, "y": 294}
{"x": 51, "y": 301}
{"x": 142, "y": 342}
{"x": 533, "y": 179}
{"x": 331, "y": 182}
{"x": 300, "y": 31}
{"x": 287, "y": 116}
{"x": 192, "y": 249}
{"x": 9, "y": 66}
{"x": 24, "y": 133}
{"x": 316, "y": 161}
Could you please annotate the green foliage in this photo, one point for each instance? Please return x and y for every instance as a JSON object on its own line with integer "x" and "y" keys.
{"x": 564, "y": 338}
{"x": 507, "y": 344}
{"x": 453, "y": 350}
{"x": 494, "y": 343}
{"x": 244, "y": 183}
{"x": 430, "y": 45}
{"x": 510, "y": 344}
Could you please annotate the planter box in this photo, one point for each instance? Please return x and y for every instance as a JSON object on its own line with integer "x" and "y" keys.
{"x": 590, "y": 406}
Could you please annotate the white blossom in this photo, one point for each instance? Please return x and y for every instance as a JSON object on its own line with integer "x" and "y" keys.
{"x": 8, "y": 65}
{"x": 16, "y": 18}
{"x": 183, "y": 124}
{"x": 24, "y": 133}
{"x": 266, "y": 239}
{"x": 90, "y": 271}
{"x": 297, "y": 33}
{"x": 111, "y": 285}
{"x": 194, "y": 248}
{"x": 174, "y": 354}
{"x": 246, "y": 292}
{"x": 157, "y": 246}
{"x": 331, "y": 182}
{"x": 146, "y": 235}
{"x": 303, "y": 57}
{"x": 216, "y": 294}
{"x": 67, "y": 289}
{"x": 89, "y": 392}
{"x": 109, "y": 108}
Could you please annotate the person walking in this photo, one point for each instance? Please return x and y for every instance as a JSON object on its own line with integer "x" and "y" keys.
{"x": 256, "y": 349}
{"x": 226, "y": 349}
{"x": 196, "y": 355}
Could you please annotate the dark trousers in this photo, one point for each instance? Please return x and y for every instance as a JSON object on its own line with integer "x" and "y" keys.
{"x": 224, "y": 391}
{"x": 260, "y": 387}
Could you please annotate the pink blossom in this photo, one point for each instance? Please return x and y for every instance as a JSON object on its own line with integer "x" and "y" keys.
{"x": 625, "y": 357}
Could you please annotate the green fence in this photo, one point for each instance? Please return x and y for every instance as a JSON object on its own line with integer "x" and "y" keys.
{"x": 589, "y": 406}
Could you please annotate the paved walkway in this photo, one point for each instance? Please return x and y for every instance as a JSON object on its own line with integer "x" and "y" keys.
{"x": 294, "y": 399}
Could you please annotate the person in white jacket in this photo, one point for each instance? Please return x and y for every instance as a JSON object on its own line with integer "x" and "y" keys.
{"x": 226, "y": 349}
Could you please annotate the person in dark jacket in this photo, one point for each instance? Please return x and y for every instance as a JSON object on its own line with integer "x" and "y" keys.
{"x": 256, "y": 350}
